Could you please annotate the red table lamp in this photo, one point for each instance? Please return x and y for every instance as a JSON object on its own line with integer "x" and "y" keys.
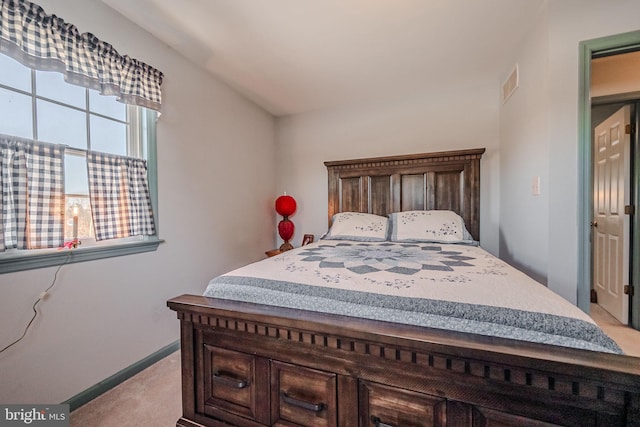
{"x": 285, "y": 206}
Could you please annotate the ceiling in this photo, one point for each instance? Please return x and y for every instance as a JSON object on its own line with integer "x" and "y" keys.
{"x": 293, "y": 56}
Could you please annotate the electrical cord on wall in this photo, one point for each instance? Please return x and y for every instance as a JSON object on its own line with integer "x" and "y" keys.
{"x": 42, "y": 296}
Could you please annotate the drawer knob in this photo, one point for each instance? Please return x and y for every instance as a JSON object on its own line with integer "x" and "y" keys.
{"x": 227, "y": 380}
{"x": 378, "y": 422}
{"x": 314, "y": 407}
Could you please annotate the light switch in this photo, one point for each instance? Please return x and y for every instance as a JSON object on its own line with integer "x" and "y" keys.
{"x": 535, "y": 186}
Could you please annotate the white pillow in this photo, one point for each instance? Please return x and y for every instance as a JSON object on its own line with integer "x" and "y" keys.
{"x": 429, "y": 226}
{"x": 358, "y": 226}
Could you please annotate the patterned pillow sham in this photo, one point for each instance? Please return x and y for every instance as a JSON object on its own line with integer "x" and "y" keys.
{"x": 436, "y": 226}
{"x": 358, "y": 226}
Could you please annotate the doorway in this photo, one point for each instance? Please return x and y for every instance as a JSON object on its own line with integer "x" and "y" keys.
{"x": 607, "y": 46}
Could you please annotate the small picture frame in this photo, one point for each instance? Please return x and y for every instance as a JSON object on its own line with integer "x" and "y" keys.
{"x": 306, "y": 239}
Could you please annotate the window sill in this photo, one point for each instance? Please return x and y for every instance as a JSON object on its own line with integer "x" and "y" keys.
{"x": 21, "y": 262}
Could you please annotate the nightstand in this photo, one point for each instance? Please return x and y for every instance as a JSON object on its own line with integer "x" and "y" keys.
{"x": 273, "y": 252}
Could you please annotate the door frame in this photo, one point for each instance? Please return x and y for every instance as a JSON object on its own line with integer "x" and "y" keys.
{"x": 619, "y": 43}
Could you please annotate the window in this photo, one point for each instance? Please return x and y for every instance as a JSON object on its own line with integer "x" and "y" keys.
{"x": 40, "y": 105}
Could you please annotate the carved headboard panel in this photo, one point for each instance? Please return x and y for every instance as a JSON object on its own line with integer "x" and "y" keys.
{"x": 446, "y": 180}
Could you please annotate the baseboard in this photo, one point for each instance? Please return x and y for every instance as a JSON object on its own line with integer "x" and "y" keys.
{"x": 94, "y": 391}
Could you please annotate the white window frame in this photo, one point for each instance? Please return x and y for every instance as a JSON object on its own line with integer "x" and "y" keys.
{"x": 18, "y": 260}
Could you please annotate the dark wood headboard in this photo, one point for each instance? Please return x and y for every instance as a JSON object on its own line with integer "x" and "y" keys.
{"x": 448, "y": 180}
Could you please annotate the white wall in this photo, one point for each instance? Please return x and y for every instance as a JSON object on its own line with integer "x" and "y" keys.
{"x": 456, "y": 118}
{"x": 524, "y": 156}
{"x": 216, "y": 189}
{"x": 566, "y": 23}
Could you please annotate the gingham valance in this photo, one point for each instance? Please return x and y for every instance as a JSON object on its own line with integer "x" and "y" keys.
{"x": 46, "y": 42}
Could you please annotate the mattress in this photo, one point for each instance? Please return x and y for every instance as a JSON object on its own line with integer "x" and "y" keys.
{"x": 453, "y": 287}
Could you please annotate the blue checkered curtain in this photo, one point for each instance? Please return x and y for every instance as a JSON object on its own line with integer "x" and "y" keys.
{"x": 46, "y": 42}
{"x": 119, "y": 195}
{"x": 32, "y": 196}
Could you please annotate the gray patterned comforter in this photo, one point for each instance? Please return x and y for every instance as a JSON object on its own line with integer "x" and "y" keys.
{"x": 453, "y": 287}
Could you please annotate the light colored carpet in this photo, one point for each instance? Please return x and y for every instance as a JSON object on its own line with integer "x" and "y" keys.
{"x": 152, "y": 398}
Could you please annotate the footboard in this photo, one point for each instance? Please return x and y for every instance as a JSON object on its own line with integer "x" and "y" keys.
{"x": 253, "y": 365}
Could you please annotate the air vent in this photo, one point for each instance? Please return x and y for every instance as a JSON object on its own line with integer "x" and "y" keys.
{"x": 510, "y": 85}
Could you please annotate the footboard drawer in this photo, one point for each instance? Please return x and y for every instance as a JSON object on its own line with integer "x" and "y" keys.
{"x": 381, "y": 405}
{"x": 302, "y": 396}
{"x": 232, "y": 382}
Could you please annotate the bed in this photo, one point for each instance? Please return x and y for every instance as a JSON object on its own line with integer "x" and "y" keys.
{"x": 384, "y": 322}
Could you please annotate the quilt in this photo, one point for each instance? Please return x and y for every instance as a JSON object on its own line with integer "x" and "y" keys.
{"x": 447, "y": 286}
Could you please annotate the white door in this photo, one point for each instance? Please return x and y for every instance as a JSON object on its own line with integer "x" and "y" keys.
{"x": 611, "y": 178}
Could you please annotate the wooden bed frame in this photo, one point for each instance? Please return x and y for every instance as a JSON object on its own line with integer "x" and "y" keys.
{"x": 247, "y": 364}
